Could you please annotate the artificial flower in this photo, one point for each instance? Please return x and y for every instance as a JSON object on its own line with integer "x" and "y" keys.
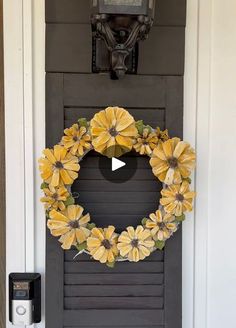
{"x": 55, "y": 197}
{"x": 162, "y": 225}
{"x": 177, "y": 199}
{"x": 70, "y": 224}
{"x": 135, "y": 244}
{"x": 146, "y": 142}
{"x": 58, "y": 166}
{"x": 172, "y": 161}
{"x": 76, "y": 140}
{"x": 162, "y": 135}
{"x": 102, "y": 244}
{"x": 113, "y": 131}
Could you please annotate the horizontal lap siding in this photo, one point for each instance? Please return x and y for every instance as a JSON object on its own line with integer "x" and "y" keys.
{"x": 168, "y": 12}
{"x": 161, "y": 54}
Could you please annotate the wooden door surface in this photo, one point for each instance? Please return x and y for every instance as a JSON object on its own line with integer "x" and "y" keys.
{"x": 83, "y": 293}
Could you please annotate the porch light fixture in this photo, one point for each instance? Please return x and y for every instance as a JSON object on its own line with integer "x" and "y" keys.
{"x": 121, "y": 24}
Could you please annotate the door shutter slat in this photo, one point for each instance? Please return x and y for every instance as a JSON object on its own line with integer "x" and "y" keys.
{"x": 80, "y": 303}
{"x": 134, "y": 91}
{"x": 122, "y": 267}
{"x": 153, "y": 114}
{"x": 157, "y": 256}
{"x": 103, "y": 318}
{"x": 109, "y": 279}
{"x": 111, "y": 290}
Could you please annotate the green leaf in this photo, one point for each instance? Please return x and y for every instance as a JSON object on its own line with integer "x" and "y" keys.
{"x": 180, "y": 218}
{"x": 149, "y": 128}
{"x": 44, "y": 185}
{"x": 144, "y": 220}
{"x": 90, "y": 226}
{"x": 139, "y": 125}
{"x": 82, "y": 246}
{"x": 160, "y": 244}
{"x": 110, "y": 264}
{"x": 70, "y": 201}
{"x": 83, "y": 122}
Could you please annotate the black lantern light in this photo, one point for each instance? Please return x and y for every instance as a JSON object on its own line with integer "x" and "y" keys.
{"x": 121, "y": 23}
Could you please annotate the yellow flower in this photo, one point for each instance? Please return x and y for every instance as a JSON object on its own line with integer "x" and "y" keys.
{"x": 113, "y": 131}
{"x": 54, "y": 197}
{"x": 135, "y": 244}
{"x": 102, "y": 244}
{"x": 162, "y": 135}
{"x": 172, "y": 160}
{"x": 76, "y": 139}
{"x": 177, "y": 199}
{"x": 70, "y": 225}
{"x": 146, "y": 142}
{"x": 162, "y": 225}
{"x": 58, "y": 166}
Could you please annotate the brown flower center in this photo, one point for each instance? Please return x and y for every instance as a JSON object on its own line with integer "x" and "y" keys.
{"x": 75, "y": 138}
{"x": 58, "y": 165}
{"x": 113, "y": 132}
{"x": 173, "y": 162}
{"x": 55, "y": 196}
{"x": 106, "y": 243}
{"x": 162, "y": 225}
{"x": 74, "y": 224}
{"x": 134, "y": 242}
{"x": 179, "y": 197}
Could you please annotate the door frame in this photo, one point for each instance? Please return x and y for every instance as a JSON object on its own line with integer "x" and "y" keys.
{"x": 25, "y": 123}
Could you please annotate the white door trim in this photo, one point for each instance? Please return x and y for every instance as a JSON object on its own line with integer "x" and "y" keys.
{"x": 197, "y": 108}
{"x": 24, "y": 106}
{"x": 24, "y": 48}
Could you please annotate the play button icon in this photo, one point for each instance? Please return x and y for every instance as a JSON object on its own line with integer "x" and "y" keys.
{"x": 116, "y": 164}
{"x": 118, "y": 170}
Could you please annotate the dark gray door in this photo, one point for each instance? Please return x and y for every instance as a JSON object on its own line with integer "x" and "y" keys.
{"x": 83, "y": 293}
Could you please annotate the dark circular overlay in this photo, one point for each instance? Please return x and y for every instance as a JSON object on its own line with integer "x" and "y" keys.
{"x": 122, "y": 174}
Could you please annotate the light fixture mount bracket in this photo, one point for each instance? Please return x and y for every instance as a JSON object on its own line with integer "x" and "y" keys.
{"x": 121, "y": 31}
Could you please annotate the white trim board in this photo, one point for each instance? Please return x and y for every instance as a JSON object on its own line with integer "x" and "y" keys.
{"x": 24, "y": 106}
{"x": 25, "y": 138}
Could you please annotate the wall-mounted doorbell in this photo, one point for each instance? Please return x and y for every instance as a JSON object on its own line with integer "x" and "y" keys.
{"x": 24, "y": 298}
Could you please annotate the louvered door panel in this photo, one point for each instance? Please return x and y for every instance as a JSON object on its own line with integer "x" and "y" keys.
{"x": 131, "y": 294}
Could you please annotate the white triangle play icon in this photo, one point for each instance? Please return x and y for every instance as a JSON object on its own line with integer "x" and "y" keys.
{"x": 116, "y": 164}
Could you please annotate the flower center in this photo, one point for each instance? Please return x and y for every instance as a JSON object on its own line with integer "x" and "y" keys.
{"x": 58, "y": 165}
{"x": 113, "y": 132}
{"x": 173, "y": 162}
{"x": 55, "y": 196}
{"x": 106, "y": 243}
{"x": 134, "y": 242}
{"x": 162, "y": 225}
{"x": 74, "y": 224}
{"x": 179, "y": 197}
{"x": 75, "y": 138}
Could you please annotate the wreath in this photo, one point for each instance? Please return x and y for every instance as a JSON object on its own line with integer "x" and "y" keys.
{"x": 171, "y": 160}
